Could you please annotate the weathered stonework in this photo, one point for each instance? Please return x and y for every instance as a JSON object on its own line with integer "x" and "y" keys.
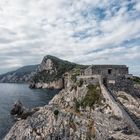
{"x": 98, "y": 122}
{"x": 115, "y": 77}
{"x": 106, "y": 70}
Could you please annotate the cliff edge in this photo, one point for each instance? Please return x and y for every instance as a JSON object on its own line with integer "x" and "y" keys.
{"x": 78, "y": 112}
{"x": 50, "y": 73}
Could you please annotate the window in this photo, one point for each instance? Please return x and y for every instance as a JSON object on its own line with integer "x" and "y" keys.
{"x": 109, "y": 71}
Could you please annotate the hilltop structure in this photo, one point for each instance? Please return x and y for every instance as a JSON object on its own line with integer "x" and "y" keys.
{"x": 107, "y": 70}
{"x": 97, "y": 102}
{"x": 113, "y": 76}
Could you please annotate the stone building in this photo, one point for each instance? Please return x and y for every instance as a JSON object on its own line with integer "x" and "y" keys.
{"x": 113, "y": 76}
{"x": 107, "y": 70}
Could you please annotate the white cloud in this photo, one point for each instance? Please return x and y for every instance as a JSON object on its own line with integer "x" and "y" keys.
{"x": 71, "y": 30}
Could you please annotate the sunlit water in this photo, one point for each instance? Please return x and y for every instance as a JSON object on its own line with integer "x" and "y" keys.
{"x": 9, "y": 93}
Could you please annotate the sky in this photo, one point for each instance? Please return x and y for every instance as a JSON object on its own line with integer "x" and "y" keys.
{"x": 81, "y": 31}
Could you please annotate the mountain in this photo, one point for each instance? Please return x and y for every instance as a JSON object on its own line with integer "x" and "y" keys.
{"x": 20, "y": 75}
{"x": 50, "y": 72}
{"x": 87, "y": 108}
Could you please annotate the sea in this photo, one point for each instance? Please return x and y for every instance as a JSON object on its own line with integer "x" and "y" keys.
{"x": 10, "y": 93}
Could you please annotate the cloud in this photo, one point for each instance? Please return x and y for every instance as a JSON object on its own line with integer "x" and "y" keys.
{"x": 83, "y": 31}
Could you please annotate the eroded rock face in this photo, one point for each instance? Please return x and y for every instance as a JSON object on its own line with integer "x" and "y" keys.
{"x": 46, "y": 64}
{"x": 50, "y": 73}
{"x": 133, "y": 104}
{"x": 68, "y": 117}
{"x": 51, "y": 85}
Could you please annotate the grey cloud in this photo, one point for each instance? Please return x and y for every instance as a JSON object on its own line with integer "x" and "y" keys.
{"x": 31, "y": 29}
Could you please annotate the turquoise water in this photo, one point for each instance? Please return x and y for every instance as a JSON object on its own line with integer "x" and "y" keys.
{"x": 9, "y": 93}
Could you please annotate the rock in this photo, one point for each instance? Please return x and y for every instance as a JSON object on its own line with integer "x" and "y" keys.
{"x": 21, "y": 112}
{"x": 47, "y": 64}
{"x": 50, "y": 73}
{"x": 51, "y": 85}
{"x": 18, "y": 109}
{"x": 32, "y": 85}
{"x": 65, "y": 118}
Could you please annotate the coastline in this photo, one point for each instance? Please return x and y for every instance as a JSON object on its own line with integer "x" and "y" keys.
{"x": 63, "y": 118}
{"x": 29, "y": 97}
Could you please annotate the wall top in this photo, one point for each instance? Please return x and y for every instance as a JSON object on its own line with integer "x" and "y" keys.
{"x": 108, "y": 66}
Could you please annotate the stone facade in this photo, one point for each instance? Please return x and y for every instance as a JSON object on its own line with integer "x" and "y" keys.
{"x": 107, "y": 70}
{"x": 115, "y": 77}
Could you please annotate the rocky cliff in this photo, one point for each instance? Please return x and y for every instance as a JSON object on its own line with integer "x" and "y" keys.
{"x": 50, "y": 73}
{"x": 78, "y": 112}
{"x": 20, "y": 75}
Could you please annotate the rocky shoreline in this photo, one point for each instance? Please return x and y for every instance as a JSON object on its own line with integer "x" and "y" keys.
{"x": 20, "y": 112}
{"x": 71, "y": 115}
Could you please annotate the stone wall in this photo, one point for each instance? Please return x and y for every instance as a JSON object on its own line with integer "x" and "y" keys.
{"x": 121, "y": 84}
{"x": 117, "y": 107}
{"x": 106, "y": 70}
{"x": 111, "y": 101}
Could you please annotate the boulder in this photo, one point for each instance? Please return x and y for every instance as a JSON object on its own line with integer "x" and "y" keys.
{"x": 21, "y": 112}
{"x": 18, "y": 109}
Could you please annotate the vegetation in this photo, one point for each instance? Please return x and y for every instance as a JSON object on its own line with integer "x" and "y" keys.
{"x": 74, "y": 73}
{"x": 45, "y": 76}
{"x": 80, "y": 83}
{"x": 61, "y": 67}
{"x": 136, "y": 80}
{"x": 77, "y": 71}
{"x": 73, "y": 87}
{"x": 92, "y": 97}
{"x": 21, "y": 71}
{"x": 77, "y": 105}
{"x": 73, "y": 77}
